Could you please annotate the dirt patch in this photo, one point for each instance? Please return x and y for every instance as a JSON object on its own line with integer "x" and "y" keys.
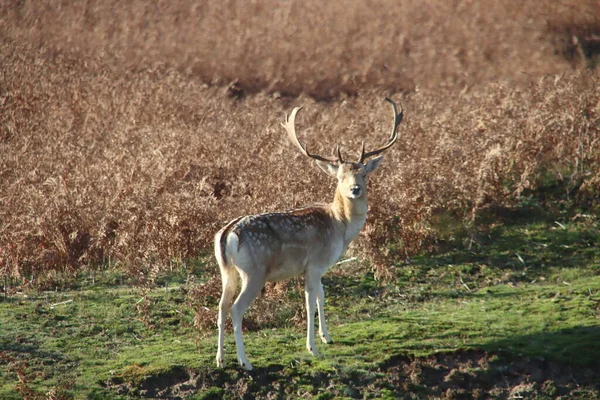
{"x": 179, "y": 382}
{"x": 457, "y": 375}
{"x": 482, "y": 375}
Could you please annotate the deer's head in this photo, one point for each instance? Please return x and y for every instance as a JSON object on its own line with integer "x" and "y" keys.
{"x": 351, "y": 176}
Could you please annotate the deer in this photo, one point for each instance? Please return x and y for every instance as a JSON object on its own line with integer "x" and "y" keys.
{"x": 303, "y": 241}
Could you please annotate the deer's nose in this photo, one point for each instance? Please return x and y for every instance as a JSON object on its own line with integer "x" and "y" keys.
{"x": 355, "y": 190}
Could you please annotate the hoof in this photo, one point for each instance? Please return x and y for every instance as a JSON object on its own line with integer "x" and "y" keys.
{"x": 313, "y": 351}
{"x": 326, "y": 340}
{"x": 246, "y": 365}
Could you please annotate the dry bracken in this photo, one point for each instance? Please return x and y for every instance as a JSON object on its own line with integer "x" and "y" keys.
{"x": 130, "y": 132}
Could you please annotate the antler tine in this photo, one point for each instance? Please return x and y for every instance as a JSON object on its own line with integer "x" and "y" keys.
{"x": 393, "y": 137}
{"x": 289, "y": 126}
{"x": 339, "y": 154}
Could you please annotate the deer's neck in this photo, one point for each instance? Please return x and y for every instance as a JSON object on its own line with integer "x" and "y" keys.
{"x": 352, "y": 212}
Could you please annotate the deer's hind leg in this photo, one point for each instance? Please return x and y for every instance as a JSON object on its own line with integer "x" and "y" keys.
{"x": 251, "y": 287}
{"x": 230, "y": 280}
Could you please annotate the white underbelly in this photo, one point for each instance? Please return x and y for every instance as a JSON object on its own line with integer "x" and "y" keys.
{"x": 286, "y": 272}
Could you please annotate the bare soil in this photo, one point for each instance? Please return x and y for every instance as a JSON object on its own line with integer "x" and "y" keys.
{"x": 455, "y": 375}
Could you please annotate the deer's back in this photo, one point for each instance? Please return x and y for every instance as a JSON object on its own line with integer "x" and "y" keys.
{"x": 283, "y": 244}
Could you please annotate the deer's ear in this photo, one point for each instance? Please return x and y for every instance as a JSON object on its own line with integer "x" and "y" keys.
{"x": 373, "y": 164}
{"x": 328, "y": 168}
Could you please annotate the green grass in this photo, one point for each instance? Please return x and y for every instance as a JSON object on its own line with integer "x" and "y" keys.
{"x": 526, "y": 291}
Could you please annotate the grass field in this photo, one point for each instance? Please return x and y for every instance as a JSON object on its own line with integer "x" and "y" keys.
{"x": 130, "y": 132}
{"x": 517, "y": 315}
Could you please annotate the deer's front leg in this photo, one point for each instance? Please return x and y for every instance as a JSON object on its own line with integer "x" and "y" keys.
{"x": 321, "y": 308}
{"x": 310, "y": 292}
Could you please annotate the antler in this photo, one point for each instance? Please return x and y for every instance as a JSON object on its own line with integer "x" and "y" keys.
{"x": 393, "y": 136}
{"x": 291, "y": 131}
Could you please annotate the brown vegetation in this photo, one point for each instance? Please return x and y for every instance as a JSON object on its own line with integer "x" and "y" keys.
{"x": 129, "y": 132}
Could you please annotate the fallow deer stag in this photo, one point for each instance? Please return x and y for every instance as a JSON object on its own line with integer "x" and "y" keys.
{"x": 303, "y": 241}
